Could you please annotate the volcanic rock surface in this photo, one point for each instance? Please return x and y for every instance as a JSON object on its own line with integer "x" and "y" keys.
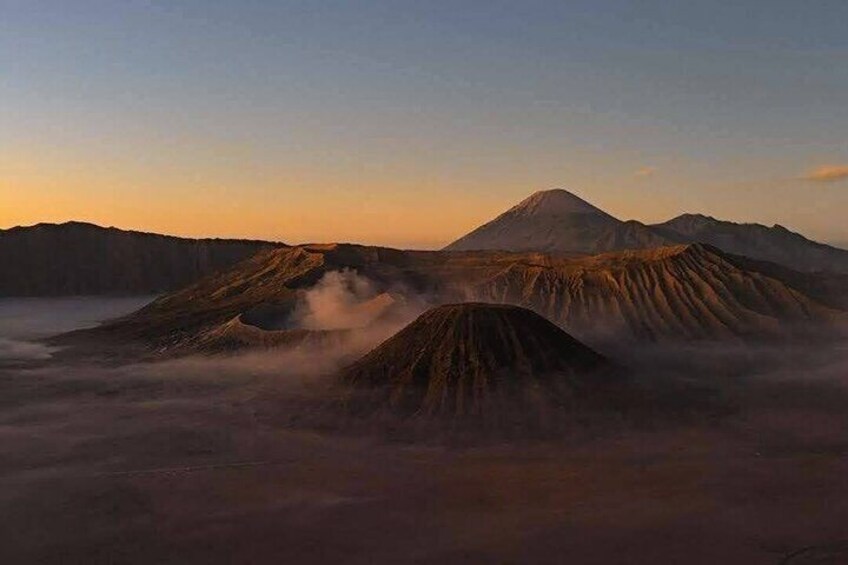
{"x": 474, "y": 359}
{"x": 684, "y": 292}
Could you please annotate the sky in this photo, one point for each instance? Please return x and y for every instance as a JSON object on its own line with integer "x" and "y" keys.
{"x": 410, "y": 123}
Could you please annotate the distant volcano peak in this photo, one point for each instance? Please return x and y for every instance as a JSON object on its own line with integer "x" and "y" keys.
{"x": 556, "y": 202}
{"x": 555, "y": 221}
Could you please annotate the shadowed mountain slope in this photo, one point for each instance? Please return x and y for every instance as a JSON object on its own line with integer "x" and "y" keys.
{"x": 685, "y": 292}
{"x": 471, "y": 359}
{"x": 83, "y": 259}
{"x": 682, "y": 292}
{"x": 558, "y": 221}
{"x": 776, "y": 244}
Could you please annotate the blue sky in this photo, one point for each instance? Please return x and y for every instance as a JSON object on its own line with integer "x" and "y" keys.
{"x": 408, "y": 123}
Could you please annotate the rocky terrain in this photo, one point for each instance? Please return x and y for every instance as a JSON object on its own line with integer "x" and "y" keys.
{"x": 688, "y": 292}
{"x": 676, "y": 293}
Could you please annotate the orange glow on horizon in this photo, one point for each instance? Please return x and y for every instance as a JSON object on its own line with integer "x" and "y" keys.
{"x": 304, "y": 205}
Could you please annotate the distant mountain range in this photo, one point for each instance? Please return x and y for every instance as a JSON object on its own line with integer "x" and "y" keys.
{"x": 557, "y": 221}
{"x": 776, "y": 243}
{"x": 84, "y": 259}
{"x": 77, "y": 258}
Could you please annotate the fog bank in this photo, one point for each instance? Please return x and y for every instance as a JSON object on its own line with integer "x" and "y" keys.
{"x": 24, "y": 321}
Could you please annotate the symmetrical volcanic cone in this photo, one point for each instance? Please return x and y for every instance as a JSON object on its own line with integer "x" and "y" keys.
{"x": 477, "y": 359}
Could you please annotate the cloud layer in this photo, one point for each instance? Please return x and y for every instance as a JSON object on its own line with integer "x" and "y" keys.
{"x": 827, "y": 173}
{"x": 645, "y": 172}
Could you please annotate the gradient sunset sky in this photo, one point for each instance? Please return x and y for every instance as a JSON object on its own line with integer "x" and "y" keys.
{"x": 410, "y": 123}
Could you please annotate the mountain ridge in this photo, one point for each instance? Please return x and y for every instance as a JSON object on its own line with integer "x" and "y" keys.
{"x": 81, "y": 224}
{"x": 557, "y": 221}
{"x": 777, "y": 243}
{"x": 682, "y": 292}
{"x": 80, "y": 258}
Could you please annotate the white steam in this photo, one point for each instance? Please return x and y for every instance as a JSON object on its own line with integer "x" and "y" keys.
{"x": 17, "y": 350}
{"x": 341, "y": 300}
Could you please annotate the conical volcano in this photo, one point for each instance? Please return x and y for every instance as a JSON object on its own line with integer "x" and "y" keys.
{"x": 557, "y": 221}
{"x": 475, "y": 359}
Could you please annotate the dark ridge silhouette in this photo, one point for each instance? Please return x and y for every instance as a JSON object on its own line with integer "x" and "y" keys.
{"x": 477, "y": 360}
{"x": 77, "y": 258}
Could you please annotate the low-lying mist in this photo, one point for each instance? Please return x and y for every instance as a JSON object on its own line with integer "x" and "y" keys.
{"x": 25, "y": 321}
{"x": 197, "y": 459}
